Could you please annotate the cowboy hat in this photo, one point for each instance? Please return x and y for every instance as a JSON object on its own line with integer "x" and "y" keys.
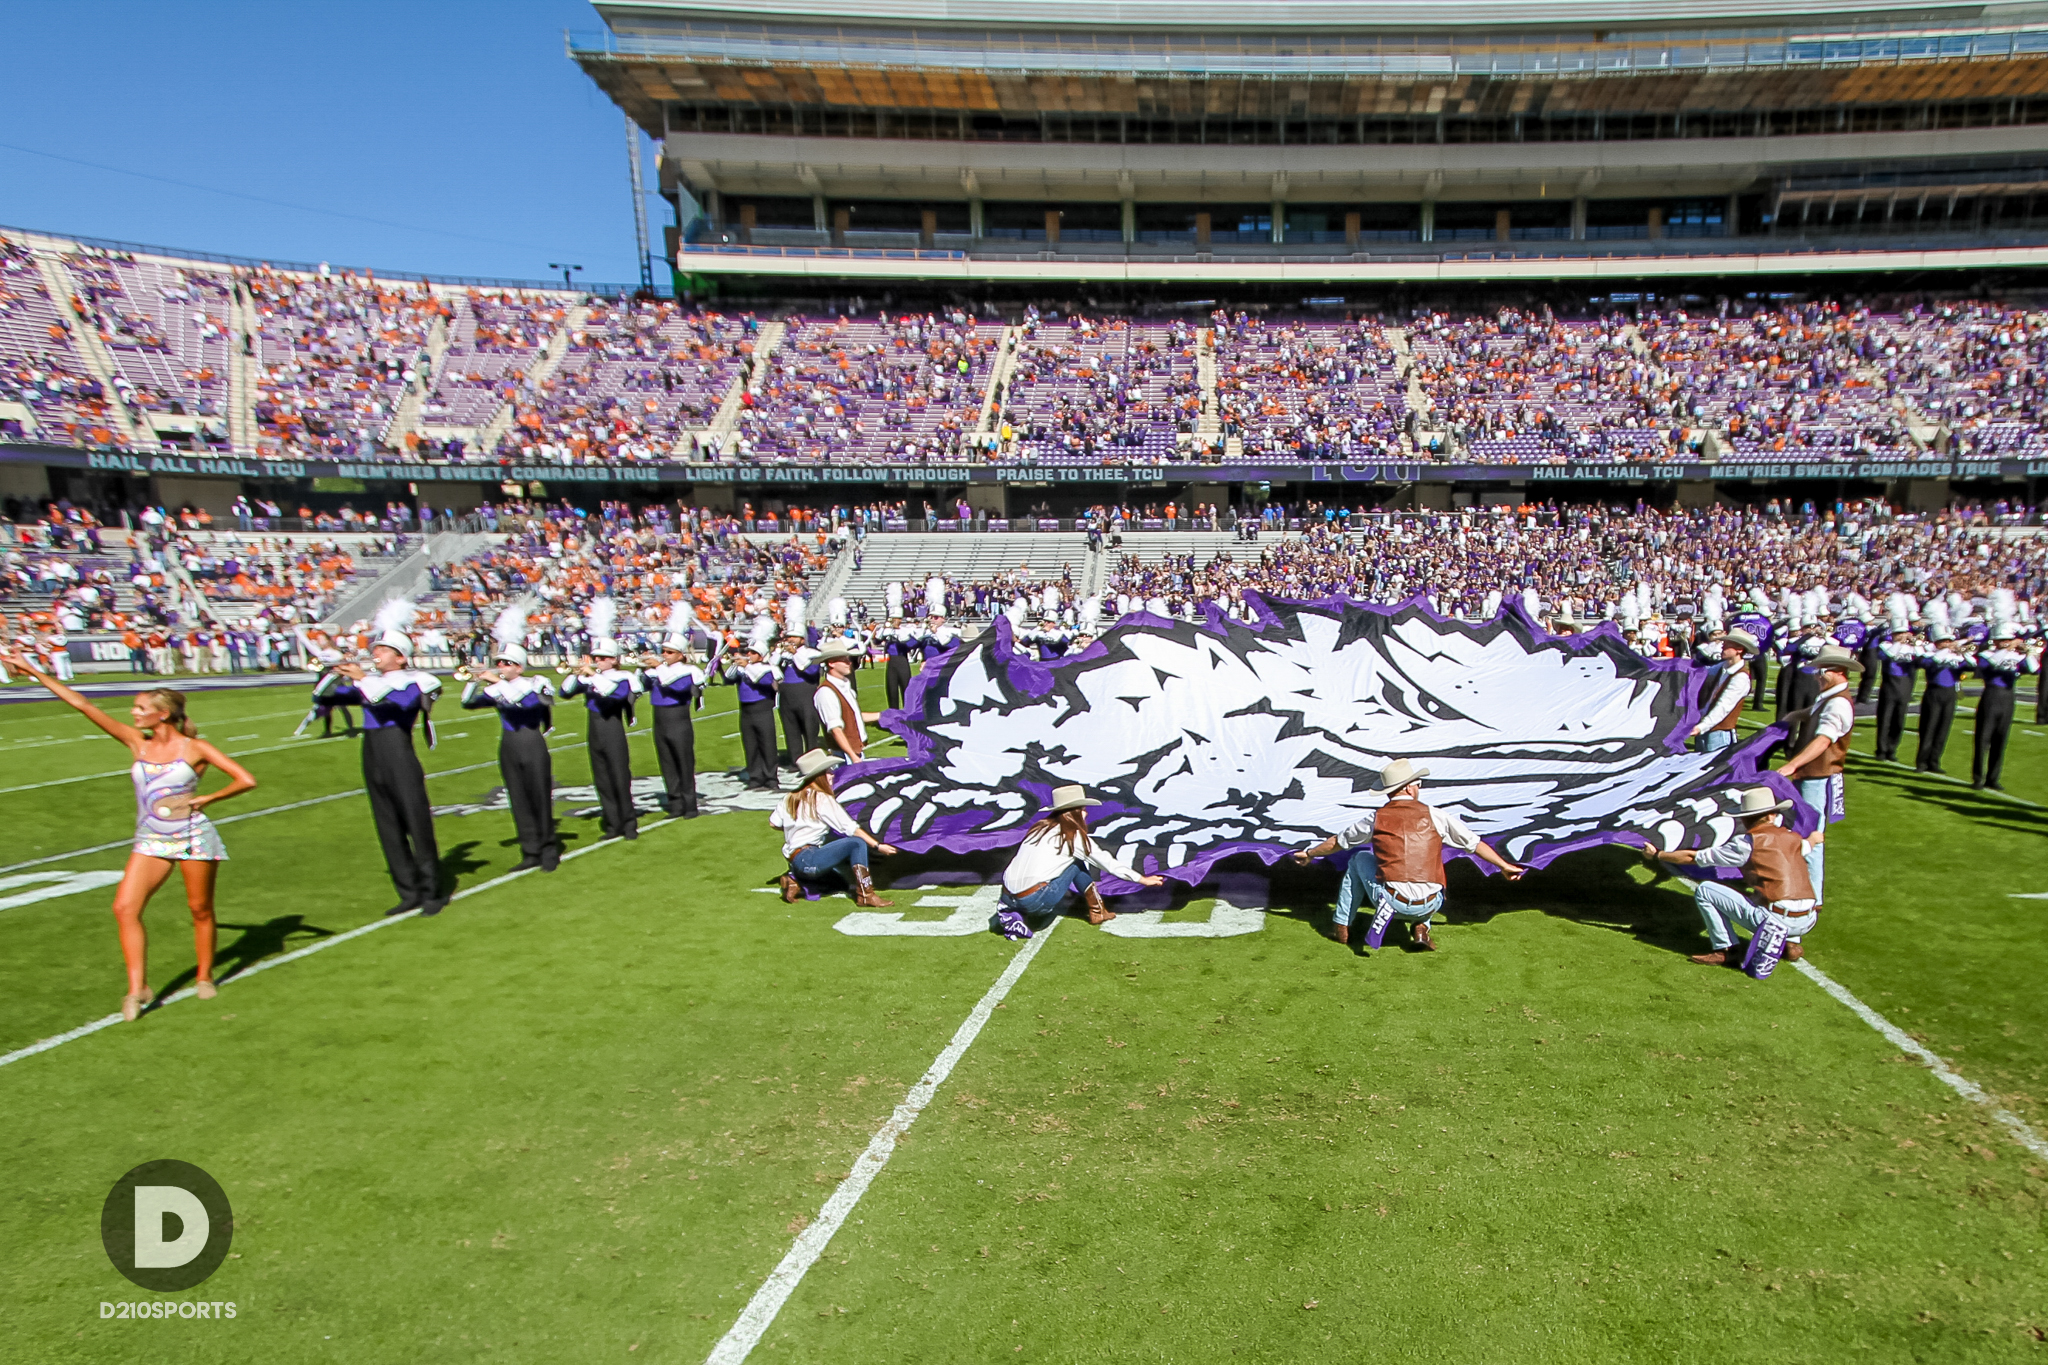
{"x": 1743, "y": 641}
{"x": 837, "y": 649}
{"x": 1399, "y": 774}
{"x": 1069, "y": 798}
{"x": 810, "y": 765}
{"x": 1761, "y": 801}
{"x": 1836, "y": 658}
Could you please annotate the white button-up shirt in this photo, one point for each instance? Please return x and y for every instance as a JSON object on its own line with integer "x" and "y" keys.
{"x": 801, "y": 831}
{"x": 1040, "y": 858}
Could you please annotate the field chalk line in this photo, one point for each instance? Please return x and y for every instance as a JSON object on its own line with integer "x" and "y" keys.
{"x": 267, "y": 963}
{"x": 2022, "y": 1132}
{"x": 759, "y": 1314}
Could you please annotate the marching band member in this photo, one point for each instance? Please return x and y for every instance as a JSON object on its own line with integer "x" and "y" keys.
{"x": 676, "y": 688}
{"x": 809, "y": 818}
{"x": 392, "y": 701}
{"x": 608, "y": 693}
{"x": 838, "y": 700}
{"x": 526, "y": 709}
{"x": 1057, "y": 858}
{"x": 2000, "y": 667}
{"x": 897, "y": 641}
{"x": 797, "y": 671}
{"x": 1774, "y": 862}
{"x": 323, "y": 656}
{"x": 1819, "y": 749}
{"x": 170, "y": 829}
{"x": 1728, "y": 687}
{"x": 938, "y": 636}
{"x": 1898, "y": 658}
{"x": 1944, "y": 667}
{"x": 1398, "y": 868}
{"x": 756, "y": 682}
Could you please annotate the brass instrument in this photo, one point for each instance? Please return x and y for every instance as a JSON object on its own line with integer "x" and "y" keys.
{"x": 651, "y": 659}
{"x": 464, "y": 673}
{"x": 582, "y": 668}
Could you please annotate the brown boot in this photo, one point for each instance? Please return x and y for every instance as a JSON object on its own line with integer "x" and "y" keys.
{"x": 1794, "y": 951}
{"x": 1718, "y": 958}
{"x": 1340, "y": 933}
{"x": 864, "y": 890}
{"x": 1420, "y": 934}
{"x": 1098, "y": 913}
{"x": 791, "y": 892}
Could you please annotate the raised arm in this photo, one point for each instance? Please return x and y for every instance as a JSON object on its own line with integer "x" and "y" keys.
{"x": 127, "y": 734}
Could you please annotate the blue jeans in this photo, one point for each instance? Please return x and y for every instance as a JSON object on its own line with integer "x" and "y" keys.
{"x": 1714, "y": 739}
{"x": 1048, "y": 898}
{"x": 1362, "y": 886}
{"x": 1722, "y": 905}
{"x": 811, "y": 864}
{"x": 1819, "y": 792}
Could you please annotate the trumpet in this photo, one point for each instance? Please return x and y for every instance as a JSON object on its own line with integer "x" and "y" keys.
{"x": 464, "y": 673}
{"x": 582, "y": 668}
{"x": 650, "y": 659}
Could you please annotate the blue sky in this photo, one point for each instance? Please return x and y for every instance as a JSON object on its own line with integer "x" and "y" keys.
{"x": 459, "y": 125}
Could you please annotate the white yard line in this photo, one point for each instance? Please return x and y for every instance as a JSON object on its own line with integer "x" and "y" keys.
{"x": 2022, "y": 1132}
{"x": 759, "y": 1314}
{"x": 188, "y": 993}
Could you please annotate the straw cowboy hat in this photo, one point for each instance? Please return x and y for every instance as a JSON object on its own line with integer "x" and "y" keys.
{"x": 1743, "y": 641}
{"x": 1761, "y": 801}
{"x": 1070, "y": 798}
{"x": 841, "y": 648}
{"x": 1399, "y": 774}
{"x": 1837, "y": 658}
{"x": 811, "y": 764}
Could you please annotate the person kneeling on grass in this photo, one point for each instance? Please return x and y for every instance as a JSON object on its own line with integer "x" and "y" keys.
{"x": 1398, "y": 869}
{"x": 1056, "y": 859}
{"x": 1773, "y": 860}
{"x": 808, "y": 818}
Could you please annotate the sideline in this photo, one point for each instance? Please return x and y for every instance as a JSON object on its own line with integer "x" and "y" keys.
{"x": 2022, "y": 1132}
{"x": 760, "y": 1312}
{"x": 266, "y": 964}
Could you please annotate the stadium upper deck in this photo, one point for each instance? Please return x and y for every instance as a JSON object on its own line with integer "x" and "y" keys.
{"x": 1061, "y": 131}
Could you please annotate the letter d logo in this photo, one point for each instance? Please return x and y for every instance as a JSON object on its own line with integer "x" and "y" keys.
{"x": 166, "y": 1225}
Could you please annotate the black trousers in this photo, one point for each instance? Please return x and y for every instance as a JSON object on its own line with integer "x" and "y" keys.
{"x": 529, "y": 773}
{"x": 1994, "y": 727}
{"x": 404, "y": 818}
{"x": 799, "y": 720}
{"x": 1801, "y": 687}
{"x": 1937, "y": 713}
{"x": 1893, "y": 696}
{"x": 897, "y": 679}
{"x": 1873, "y": 669}
{"x": 675, "y": 747}
{"x": 611, "y": 772}
{"x": 757, "y": 742}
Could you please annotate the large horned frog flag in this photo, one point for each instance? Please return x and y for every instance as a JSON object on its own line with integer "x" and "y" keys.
{"x": 1205, "y": 739}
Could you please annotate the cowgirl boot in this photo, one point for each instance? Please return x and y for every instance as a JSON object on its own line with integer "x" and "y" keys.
{"x": 864, "y": 890}
{"x": 791, "y": 892}
{"x": 1098, "y": 913}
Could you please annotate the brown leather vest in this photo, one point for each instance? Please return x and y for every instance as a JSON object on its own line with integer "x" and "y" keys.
{"x": 849, "y": 716}
{"x": 1777, "y": 865}
{"x": 1829, "y": 761}
{"x": 1728, "y": 722}
{"x": 1404, "y": 840}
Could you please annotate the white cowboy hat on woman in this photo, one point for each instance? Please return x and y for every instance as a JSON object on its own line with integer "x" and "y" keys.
{"x": 1070, "y": 798}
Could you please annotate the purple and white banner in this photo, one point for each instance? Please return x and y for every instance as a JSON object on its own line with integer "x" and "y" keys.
{"x": 1204, "y": 739}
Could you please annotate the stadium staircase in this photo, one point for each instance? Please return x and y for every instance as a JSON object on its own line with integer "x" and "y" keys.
{"x": 242, "y": 372}
{"x": 378, "y": 578}
{"x": 64, "y": 294}
{"x": 406, "y": 420}
{"x": 998, "y": 380}
{"x": 912, "y": 557}
{"x": 751, "y": 376}
{"x": 1210, "y": 420}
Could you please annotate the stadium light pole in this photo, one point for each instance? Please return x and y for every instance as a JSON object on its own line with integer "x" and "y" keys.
{"x": 565, "y": 269}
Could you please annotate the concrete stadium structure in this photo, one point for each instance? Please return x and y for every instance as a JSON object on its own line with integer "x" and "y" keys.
{"x": 1155, "y": 140}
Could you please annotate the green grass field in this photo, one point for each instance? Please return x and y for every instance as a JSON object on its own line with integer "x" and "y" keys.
{"x": 582, "y": 1116}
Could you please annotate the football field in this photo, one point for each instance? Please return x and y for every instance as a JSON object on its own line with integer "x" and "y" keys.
{"x": 586, "y": 1115}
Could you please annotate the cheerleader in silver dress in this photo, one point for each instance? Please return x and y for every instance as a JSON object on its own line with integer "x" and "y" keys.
{"x": 170, "y": 829}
